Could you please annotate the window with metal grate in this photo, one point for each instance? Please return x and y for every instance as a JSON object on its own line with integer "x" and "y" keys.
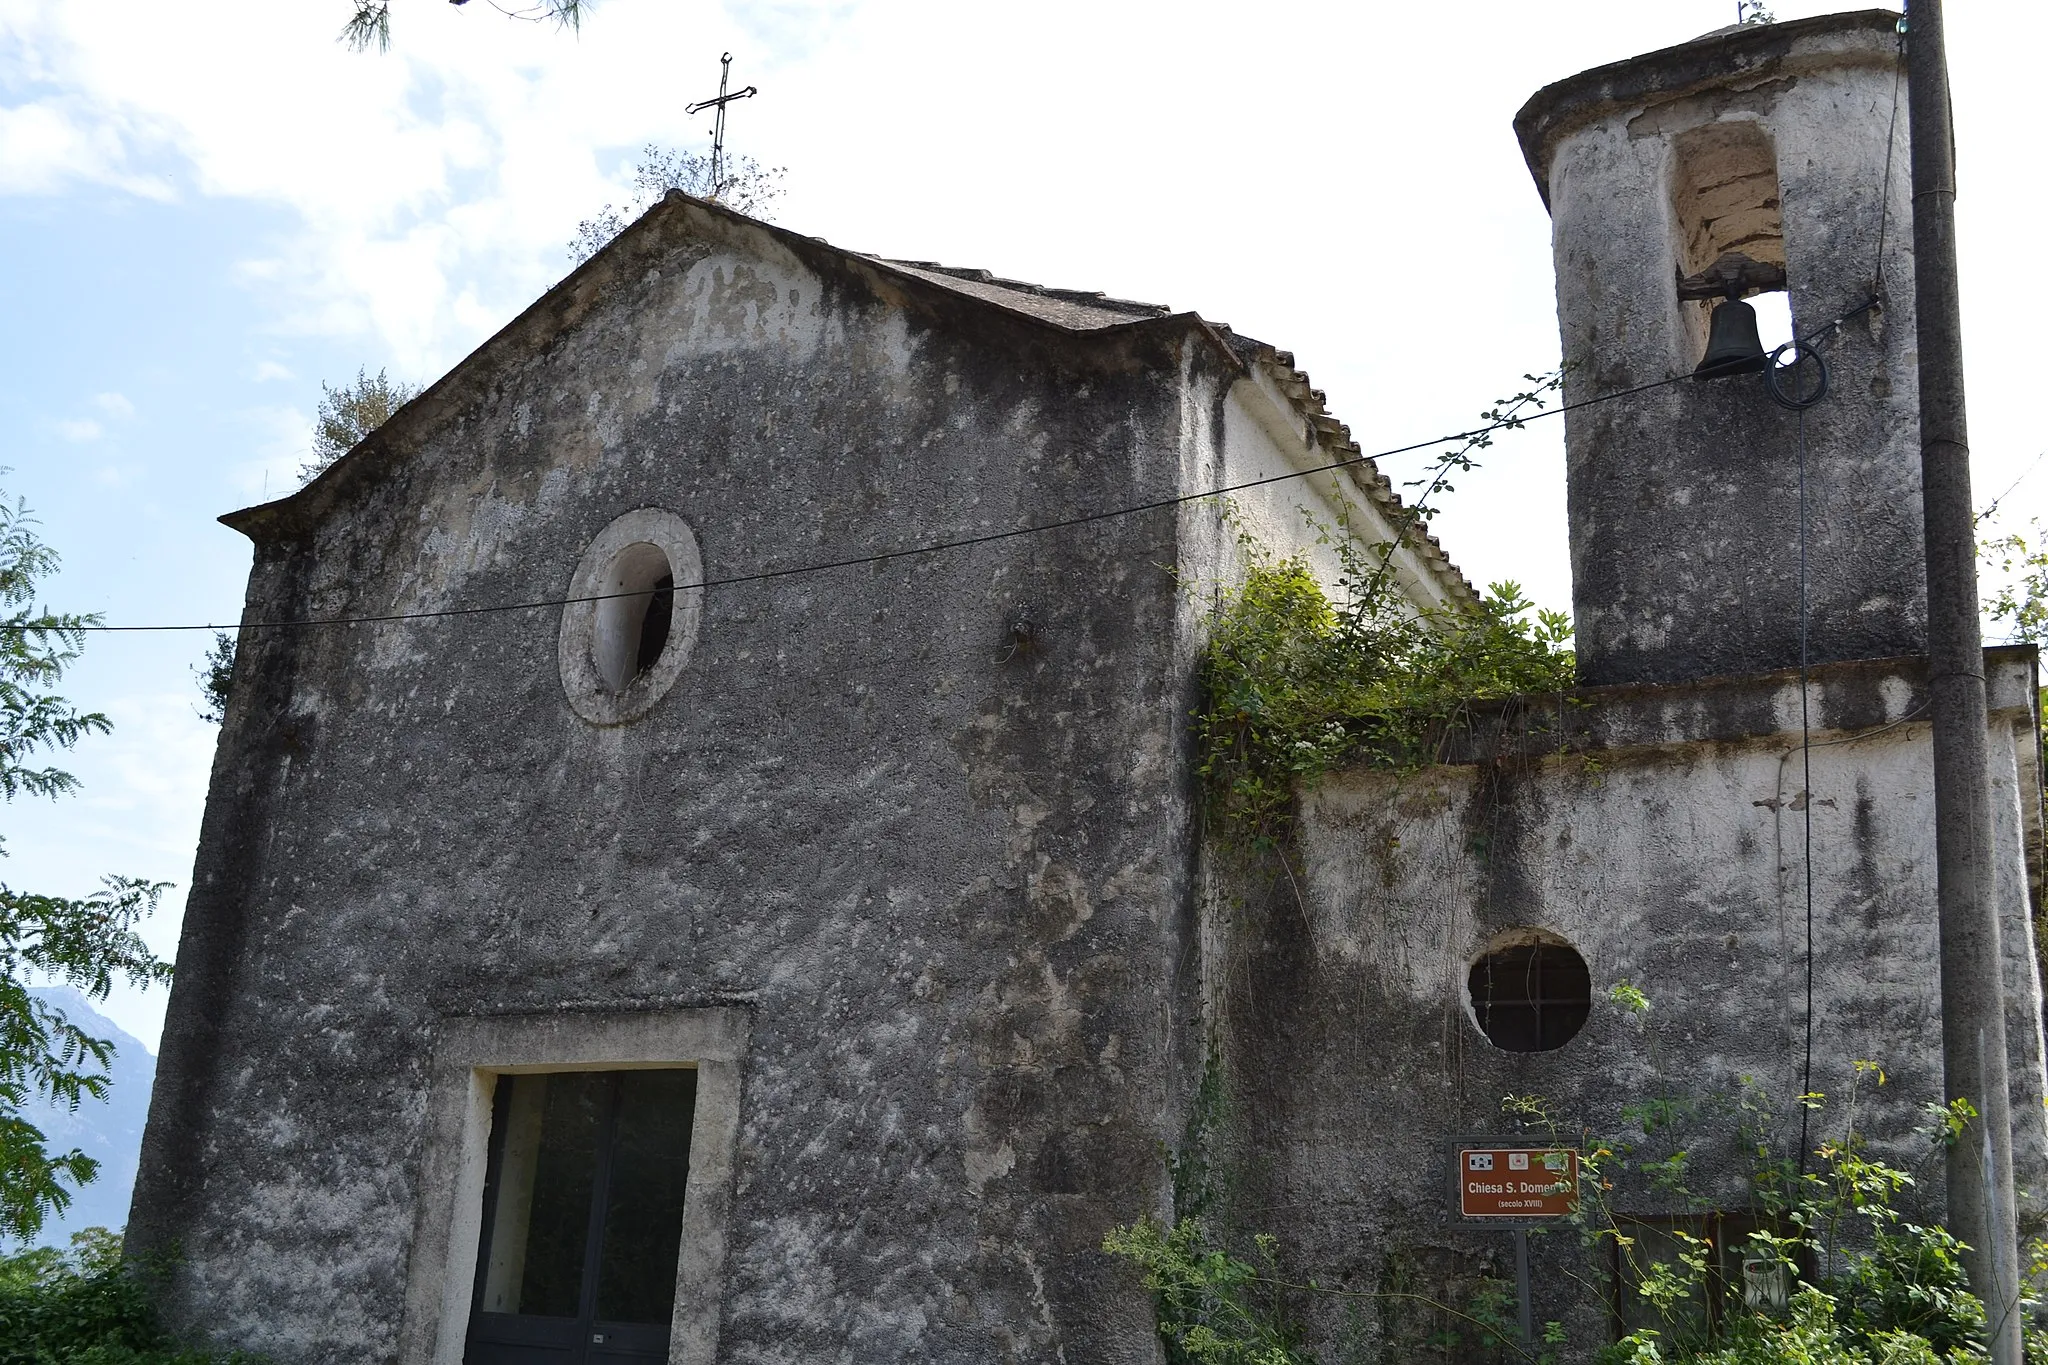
{"x": 1531, "y": 997}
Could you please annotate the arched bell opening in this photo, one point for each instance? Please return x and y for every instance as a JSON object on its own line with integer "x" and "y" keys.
{"x": 1734, "y": 310}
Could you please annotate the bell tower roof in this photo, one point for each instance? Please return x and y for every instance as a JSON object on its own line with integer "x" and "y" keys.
{"x": 1718, "y": 61}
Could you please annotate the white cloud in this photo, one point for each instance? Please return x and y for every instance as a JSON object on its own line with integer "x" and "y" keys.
{"x": 267, "y": 370}
{"x": 79, "y": 430}
{"x": 158, "y": 754}
{"x": 48, "y": 145}
{"x": 434, "y": 189}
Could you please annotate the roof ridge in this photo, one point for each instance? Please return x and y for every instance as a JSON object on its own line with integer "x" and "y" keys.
{"x": 1093, "y": 298}
{"x": 1335, "y": 437}
{"x": 1321, "y": 429}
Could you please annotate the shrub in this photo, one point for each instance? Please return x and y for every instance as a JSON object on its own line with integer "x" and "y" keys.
{"x": 85, "y": 1307}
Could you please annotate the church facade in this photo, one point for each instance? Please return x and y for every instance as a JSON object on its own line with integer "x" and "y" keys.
{"x": 727, "y": 883}
{"x": 869, "y": 890}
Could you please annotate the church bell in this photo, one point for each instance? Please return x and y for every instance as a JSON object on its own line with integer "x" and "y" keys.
{"x": 1732, "y": 343}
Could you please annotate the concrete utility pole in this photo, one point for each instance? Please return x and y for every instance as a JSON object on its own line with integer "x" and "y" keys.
{"x": 1980, "y": 1188}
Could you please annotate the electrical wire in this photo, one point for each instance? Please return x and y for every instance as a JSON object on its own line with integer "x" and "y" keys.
{"x": 1799, "y": 401}
{"x": 1806, "y": 789}
{"x": 2025, "y": 474}
{"x": 1784, "y": 364}
{"x": 1891, "y": 140}
{"x": 880, "y": 557}
{"x": 1802, "y": 347}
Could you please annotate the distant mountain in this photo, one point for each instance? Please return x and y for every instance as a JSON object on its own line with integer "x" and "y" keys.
{"x": 109, "y": 1129}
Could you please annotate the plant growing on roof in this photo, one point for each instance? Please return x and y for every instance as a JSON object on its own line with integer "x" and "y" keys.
{"x": 350, "y": 413}
{"x": 2020, "y": 601}
{"x": 1299, "y": 682}
{"x": 741, "y": 183}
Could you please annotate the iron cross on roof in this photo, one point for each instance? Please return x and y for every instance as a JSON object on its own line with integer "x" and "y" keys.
{"x": 718, "y": 124}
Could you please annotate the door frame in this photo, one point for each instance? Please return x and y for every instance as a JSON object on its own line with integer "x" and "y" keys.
{"x": 470, "y": 1053}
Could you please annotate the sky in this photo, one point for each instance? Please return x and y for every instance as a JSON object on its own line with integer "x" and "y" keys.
{"x": 206, "y": 214}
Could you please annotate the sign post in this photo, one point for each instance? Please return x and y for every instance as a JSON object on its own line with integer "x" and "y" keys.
{"x": 1525, "y": 1317}
{"x": 1519, "y": 1187}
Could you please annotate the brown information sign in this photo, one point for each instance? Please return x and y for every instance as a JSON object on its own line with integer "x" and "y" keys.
{"x": 1517, "y": 1182}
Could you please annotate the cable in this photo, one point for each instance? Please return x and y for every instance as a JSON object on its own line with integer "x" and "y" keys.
{"x": 936, "y": 547}
{"x": 1780, "y": 372}
{"x": 2025, "y": 474}
{"x": 1834, "y": 325}
{"x": 1777, "y": 372}
{"x": 1891, "y": 138}
{"x": 1805, "y": 778}
{"x": 884, "y": 556}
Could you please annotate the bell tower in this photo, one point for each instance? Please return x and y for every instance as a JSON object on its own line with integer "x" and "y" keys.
{"x": 1759, "y": 158}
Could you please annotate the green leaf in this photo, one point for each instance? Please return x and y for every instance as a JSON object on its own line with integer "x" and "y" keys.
{"x": 86, "y": 942}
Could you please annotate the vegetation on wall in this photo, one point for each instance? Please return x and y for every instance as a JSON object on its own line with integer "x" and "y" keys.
{"x": 1299, "y": 682}
{"x": 1832, "y": 1272}
{"x": 216, "y": 675}
{"x": 1831, "y": 1269}
{"x": 1215, "y": 1308}
{"x": 1828, "y": 1267}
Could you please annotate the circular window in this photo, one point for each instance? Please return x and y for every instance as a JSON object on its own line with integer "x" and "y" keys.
{"x": 1531, "y": 994}
{"x": 628, "y": 628}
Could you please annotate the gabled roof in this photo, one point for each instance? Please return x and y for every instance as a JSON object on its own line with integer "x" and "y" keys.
{"x": 1070, "y": 311}
{"x": 1077, "y": 310}
{"x": 1074, "y": 309}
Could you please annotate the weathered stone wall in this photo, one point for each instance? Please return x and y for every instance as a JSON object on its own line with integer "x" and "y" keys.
{"x": 1666, "y": 845}
{"x": 944, "y": 866}
{"x": 1684, "y": 501}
